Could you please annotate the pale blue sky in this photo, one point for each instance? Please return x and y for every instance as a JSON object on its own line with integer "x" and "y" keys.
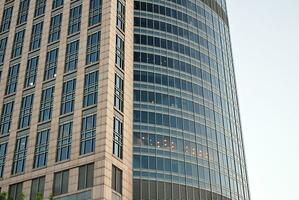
{"x": 266, "y": 53}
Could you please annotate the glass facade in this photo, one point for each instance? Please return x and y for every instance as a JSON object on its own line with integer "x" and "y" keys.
{"x": 187, "y": 132}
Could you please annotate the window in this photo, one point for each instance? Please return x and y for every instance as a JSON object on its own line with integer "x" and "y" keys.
{"x": 3, "y": 148}
{"x": 36, "y": 36}
{"x": 46, "y": 104}
{"x": 41, "y": 149}
{"x": 57, "y": 3}
{"x": 88, "y": 134}
{"x": 51, "y": 64}
{"x": 3, "y": 43}
{"x": 75, "y": 20}
{"x": 119, "y": 93}
{"x": 6, "y": 116}
{"x": 93, "y": 48}
{"x": 116, "y": 179}
{"x": 120, "y": 21}
{"x": 40, "y": 6}
{"x": 68, "y": 97}
{"x": 71, "y": 58}
{"x": 117, "y": 138}
{"x": 31, "y": 70}
{"x": 85, "y": 179}
{"x": 61, "y": 182}
{"x": 12, "y": 79}
{"x": 25, "y": 112}
{"x": 15, "y": 191}
{"x": 6, "y": 18}
{"x": 55, "y": 25}
{"x": 90, "y": 89}
{"x": 23, "y": 11}
{"x": 64, "y": 141}
{"x": 18, "y": 44}
{"x": 119, "y": 56}
{"x": 19, "y": 159}
{"x": 95, "y": 12}
{"x": 37, "y": 187}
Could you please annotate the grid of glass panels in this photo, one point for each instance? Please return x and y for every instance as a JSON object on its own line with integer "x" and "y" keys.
{"x": 187, "y": 134}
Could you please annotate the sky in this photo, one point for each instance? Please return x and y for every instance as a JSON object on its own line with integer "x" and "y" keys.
{"x": 265, "y": 42}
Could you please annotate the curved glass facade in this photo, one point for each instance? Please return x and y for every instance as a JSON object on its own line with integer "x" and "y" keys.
{"x": 187, "y": 132}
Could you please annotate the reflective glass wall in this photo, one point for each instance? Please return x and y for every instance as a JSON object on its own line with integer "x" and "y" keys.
{"x": 187, "y": 132}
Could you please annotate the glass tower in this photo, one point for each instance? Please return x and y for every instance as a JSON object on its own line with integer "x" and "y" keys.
{"x": 187, "y": 137}
{"x": 66, "y": 100}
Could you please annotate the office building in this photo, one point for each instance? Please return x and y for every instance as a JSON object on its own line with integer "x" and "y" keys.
{"x": 66, "y": 99}
{"x": 187, "y": 132}
{"x": 119, "y": 99}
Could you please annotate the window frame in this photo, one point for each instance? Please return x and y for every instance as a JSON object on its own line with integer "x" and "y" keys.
{"x": 12, "y": 79}
{"x": 90, "y": 88}
{"x": 31, "y": 72}
{"x": 46, "y": 104}
{"x": 116, "y": 177}
{"x": 68, "y": 97}
{"x": 41, "y": 148}
{"x": 20, "y": 155}
{"x": 119, "y": 93}
{"x": 85, "y": 176}
{"x": 120, "y": 52}
{"x": 93, "y": 48}
{"x": 6, "y": 117}
{"x": 71, "y": 56}
{"x": 62, "y": 184}
{"x": 117, "y": 138}
{"x": 64, "y": 141}
{"x": 55, "y": 28}
{"x": 88, "y": 134}
{"x": 74, "y": 25}
{"x": 26, "y": 111}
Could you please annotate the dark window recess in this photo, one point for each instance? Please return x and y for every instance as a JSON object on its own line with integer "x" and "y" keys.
{"x": 37, "y": 187}
{"x": 57, "y": 3}
{"x": 55, "y": 27}
{"x": 68, "y": 97}
{"x": 93, "y": 48}
{"x": 61, "y": 182}
{"x": 118, "y": 138}
{"x": 18, "y": 44}
{"x": 116, "y": 179}
{"x": 120, "y": 52}
{"x": 75, "y": 20}
{"x": 26, "y": 111}
{"x": 6, "y": 19}
{"x": 20, "y": 153}
{"x": 12, "y": 79}
{"x": 120, "y": 20}
{"x": 71, "y": 58}
{"x": 3, "y": 43}
{"x": 51, "y": 64}
{"x": 88, "y": 134}
{"x": 23, "y": 11}
{"x": 36, "y": 36}
{"x": 64, "y": 141}
{"x": 46, "y": 104}
{"x": 3, "y": 151}
{"x": 31, "y": 70}
{"x": 40, "y": 6}
{"x": 95, "y": 12}
{"x": 85, "y": 179}
{"x": 6, "y": 116}
{"x": 41, "y": 148}
{"x": 119, "y": 93}
{"x": 15, "y": 191}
